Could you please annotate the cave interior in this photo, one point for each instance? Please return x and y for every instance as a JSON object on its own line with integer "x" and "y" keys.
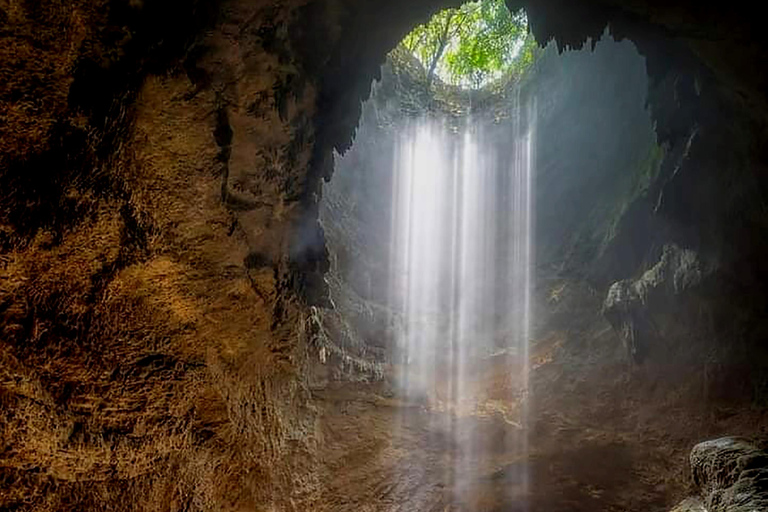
{"x": 255, "y": 256}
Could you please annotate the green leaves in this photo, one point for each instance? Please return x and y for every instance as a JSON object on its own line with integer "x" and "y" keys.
{"x": 474, "y": 44}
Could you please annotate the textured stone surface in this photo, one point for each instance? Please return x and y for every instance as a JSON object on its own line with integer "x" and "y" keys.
{"x": 628, "y": 301}
{"x": 731, "y": 474}
{"x": 690, "y": 505}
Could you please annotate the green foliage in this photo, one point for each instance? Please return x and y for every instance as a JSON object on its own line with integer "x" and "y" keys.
{"x": 473, "y": 44}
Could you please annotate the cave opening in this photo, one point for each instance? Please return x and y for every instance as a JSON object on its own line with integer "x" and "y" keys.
{"x": 455, "y": 226}
{"x": 472, "y": 46}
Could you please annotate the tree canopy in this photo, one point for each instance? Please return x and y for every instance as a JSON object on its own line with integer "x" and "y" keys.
{"x": 473, "y": 44}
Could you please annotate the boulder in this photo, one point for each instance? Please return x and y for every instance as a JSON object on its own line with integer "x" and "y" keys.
{"x": 731, "y": 475}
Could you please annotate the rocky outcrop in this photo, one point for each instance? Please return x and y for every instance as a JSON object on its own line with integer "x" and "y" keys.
{"x": 731, "y": 475}
{"x": 628, "y": 302}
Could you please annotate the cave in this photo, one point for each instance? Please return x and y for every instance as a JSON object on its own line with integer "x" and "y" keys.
{"x": 256, "y": 256}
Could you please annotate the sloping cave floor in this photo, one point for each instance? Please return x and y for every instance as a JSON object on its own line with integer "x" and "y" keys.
{"x": 604, "y": 434}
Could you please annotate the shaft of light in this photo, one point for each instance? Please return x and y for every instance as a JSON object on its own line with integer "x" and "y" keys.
{"x": 461, "y": 277}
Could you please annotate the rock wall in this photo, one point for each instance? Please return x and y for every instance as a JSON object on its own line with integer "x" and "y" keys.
{"x": 149, "y": 352}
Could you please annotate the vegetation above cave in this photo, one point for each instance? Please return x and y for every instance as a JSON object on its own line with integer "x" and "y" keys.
{"x": 471, "y": 45}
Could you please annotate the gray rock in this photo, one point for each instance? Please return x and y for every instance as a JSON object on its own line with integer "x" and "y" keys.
{"x": 676, "y": 271}
{"x": 627, "y": 301}
{"x": 731, "y": 474}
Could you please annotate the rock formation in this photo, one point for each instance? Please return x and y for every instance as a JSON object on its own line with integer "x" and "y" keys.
{"x": 730, "y": 475}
